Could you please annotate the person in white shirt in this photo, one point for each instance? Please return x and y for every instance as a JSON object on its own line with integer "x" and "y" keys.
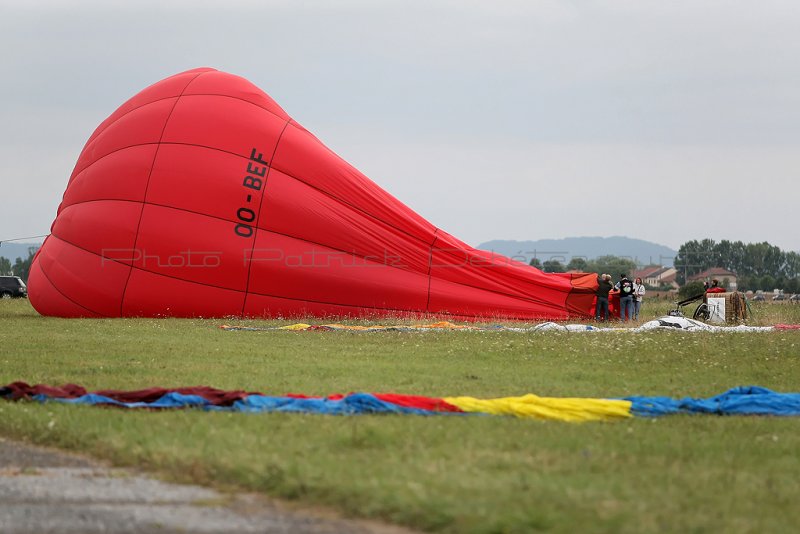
{"x": 638, "y": 293}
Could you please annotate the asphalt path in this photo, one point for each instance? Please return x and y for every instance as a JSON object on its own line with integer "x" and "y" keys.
{"x": 45, "y": 491}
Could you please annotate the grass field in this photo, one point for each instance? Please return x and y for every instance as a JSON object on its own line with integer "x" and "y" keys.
{"x": 442, "y": 474}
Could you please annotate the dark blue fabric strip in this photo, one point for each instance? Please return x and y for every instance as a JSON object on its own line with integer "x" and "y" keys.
{"x": 745, "y": 400}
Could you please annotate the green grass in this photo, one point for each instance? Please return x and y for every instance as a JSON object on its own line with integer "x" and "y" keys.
{"x": 443, "y": 474}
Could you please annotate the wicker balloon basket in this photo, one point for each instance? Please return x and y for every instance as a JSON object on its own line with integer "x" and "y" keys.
{"x": 726, "y": 307}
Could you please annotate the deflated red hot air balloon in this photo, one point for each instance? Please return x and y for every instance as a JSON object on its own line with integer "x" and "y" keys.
{"x": 201, "y": 197}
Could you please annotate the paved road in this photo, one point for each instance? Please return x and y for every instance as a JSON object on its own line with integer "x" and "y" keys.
{"x": 46, "y": 491}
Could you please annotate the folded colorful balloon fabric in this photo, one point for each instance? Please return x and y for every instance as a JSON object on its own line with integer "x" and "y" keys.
{"x": 748, "y": 400}
{"x": 668, "y": 323}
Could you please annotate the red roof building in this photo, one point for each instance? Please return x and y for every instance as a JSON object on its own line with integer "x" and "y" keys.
{"x": 656, "y": 276}
{"x": 716, "y": 273}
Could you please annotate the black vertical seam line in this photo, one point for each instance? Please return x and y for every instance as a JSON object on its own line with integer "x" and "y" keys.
{"x": 149, "y": 175}
{"x": 430, "y": 263}
{"x": 258, "y": 217}
{"x": 568, "y": 298}
{"x": 41, "y": 268}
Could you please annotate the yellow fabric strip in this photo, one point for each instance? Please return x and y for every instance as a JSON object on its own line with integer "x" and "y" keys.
{"x": 551, "y": 408}
{"x": 357, "y": 328}
{"x": 442, "y": 325}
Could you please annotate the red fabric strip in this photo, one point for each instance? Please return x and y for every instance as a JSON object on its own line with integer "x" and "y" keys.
{"x": 413, "y": 401}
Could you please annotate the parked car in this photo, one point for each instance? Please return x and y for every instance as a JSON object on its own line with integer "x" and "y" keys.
{"x": 758, "y": 298}
{"x": 12, "y": 287}
{"x": 795, "y": 298}
{"x": 779, "y": 296}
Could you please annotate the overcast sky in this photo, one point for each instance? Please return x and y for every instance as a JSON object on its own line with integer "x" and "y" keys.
{"x": 665, "y": 121}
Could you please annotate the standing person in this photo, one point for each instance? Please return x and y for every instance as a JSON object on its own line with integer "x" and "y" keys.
{"x": 625, "y": 287}
{"x": 638, "y": 294}
{"x": 715, "y": 287}
{"x": 603, "y": 287}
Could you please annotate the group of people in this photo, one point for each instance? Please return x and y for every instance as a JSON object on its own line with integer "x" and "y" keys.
{"x": 630, "y": 297}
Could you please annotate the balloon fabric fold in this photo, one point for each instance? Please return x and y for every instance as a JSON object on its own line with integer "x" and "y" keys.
{"x": 743, "y": 400}
{"x": 201, "y": 197}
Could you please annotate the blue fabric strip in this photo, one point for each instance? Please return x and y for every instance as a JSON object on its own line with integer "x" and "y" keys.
{"x": 744, "y": 400}
{"x": 355, "y": 403}
{"x": 170, "y": 400}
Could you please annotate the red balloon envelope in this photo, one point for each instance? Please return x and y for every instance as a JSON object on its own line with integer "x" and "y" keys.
{"x": 200, "y": 196}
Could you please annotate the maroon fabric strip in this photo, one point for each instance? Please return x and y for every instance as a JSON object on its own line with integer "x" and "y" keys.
{"x": 22, "y": 390}
{"x": 218, "y": 397}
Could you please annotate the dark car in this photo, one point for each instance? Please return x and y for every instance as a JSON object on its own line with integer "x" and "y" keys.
{"x": 12, "y": 287}
{"x": 795, "y": 298}
{"x": 758, "y": 298}
{"x": 779, "y": 296}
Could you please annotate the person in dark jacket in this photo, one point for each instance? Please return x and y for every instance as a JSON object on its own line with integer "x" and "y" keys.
{"x": 603, "y": 288}
{"x": 625, "y": 287}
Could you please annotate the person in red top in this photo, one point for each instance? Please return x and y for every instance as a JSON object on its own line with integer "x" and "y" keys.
{"x": 715, "y": 287}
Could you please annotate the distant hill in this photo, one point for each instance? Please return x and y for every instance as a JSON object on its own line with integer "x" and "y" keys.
{"x": 640, "y": 251}
{"x": 15, "y": 250}
{"x": 563, "y": 250}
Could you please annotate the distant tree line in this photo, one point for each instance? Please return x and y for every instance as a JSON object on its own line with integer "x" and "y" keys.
{"x": 613, "y": 265}
{"x": 757, "y": 265}
{"x": 20, "y": 267}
